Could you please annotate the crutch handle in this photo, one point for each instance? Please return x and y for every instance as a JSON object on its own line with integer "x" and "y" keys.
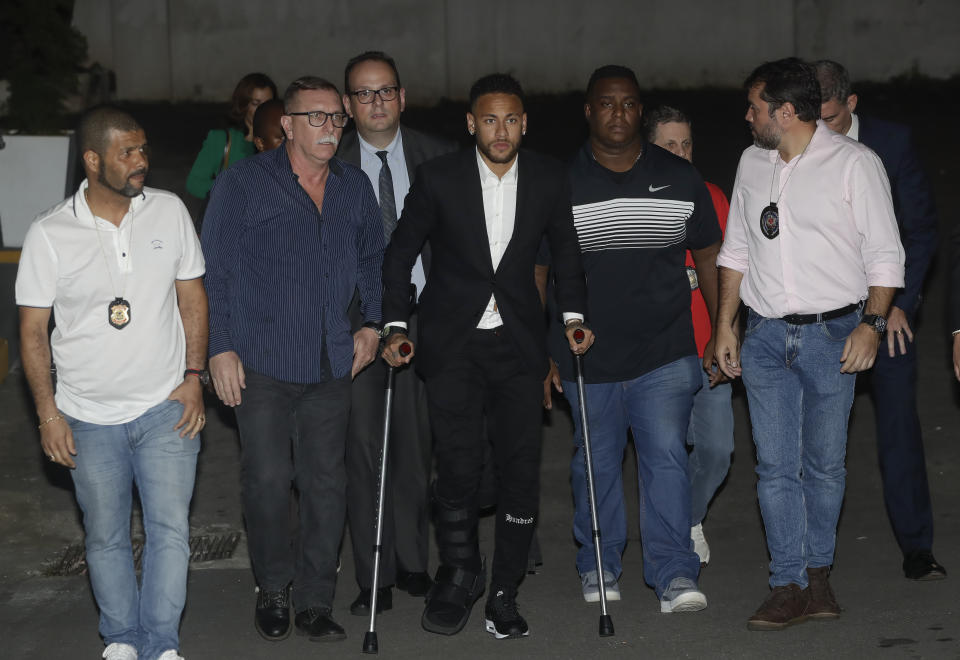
{"x": 579, "y": 335}
{"x": 405, "y": 349}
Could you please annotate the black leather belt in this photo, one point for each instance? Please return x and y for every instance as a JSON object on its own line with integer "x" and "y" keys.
{"x": 804, "y": 319}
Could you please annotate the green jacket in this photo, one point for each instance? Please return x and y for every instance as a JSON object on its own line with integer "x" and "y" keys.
{"x": 209, "y": 161}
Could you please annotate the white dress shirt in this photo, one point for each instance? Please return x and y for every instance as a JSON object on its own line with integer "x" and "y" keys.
{"x": 499, "y": 210}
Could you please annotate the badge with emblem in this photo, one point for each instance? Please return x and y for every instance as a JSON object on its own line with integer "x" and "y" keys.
{"x": 119, "y": 313}
{"x": 692, "y": 276}
{"x": 770, "y": 221}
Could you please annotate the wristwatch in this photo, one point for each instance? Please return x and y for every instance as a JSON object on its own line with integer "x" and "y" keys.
{"x": 876, "y": 322}
{"x": 376, "y": 327}
{"x": 390, "y": 330}
{"x": 202, "y": 374}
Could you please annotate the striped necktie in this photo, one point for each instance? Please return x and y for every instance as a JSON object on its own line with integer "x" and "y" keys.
{"x": 388, "y": 204}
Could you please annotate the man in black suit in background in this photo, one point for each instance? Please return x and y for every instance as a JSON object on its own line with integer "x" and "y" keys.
{"x": 899, "y": 441}
{"x": 389, "y": 154}
{"x": 482, "y": 349}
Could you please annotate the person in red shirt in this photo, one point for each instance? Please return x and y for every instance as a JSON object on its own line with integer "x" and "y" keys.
{"x": 710, "y": 434}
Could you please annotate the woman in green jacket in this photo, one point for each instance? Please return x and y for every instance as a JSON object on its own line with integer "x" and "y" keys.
{"x": 225, "y": 146}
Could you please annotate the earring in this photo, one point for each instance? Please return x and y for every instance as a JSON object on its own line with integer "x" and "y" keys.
{"x": 472, "y": 130}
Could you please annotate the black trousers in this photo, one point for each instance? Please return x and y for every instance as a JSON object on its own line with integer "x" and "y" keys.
{"x": 486, "y": 380}
{"x": 294, "y": 435}
{"x": 903, "y": 467}
{"x": 405, "y": 540}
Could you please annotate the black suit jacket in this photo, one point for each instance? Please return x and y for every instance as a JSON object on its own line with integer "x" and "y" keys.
{"x": 912, "y": 202}
{"x": 445, "y": 205}
{"x": 418, "y": 148}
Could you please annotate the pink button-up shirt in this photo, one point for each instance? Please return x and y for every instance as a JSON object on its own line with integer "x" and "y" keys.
{"x": 838, "y": 232}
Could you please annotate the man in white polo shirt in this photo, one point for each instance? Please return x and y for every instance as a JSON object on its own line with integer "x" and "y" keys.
{"x": 120, "y": 266}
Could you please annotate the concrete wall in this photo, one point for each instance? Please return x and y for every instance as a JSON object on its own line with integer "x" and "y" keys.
{"x": 197, "y": 49}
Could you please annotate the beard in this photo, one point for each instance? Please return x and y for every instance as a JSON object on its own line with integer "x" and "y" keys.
{"x": 128, "y": 189}
{"x": 768, "y": 138}
{"x": 495, "y": 157}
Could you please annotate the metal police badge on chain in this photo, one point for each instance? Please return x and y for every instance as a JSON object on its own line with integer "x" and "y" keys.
{"x": 118, "y": 313}
{"x": 770, "y": 221}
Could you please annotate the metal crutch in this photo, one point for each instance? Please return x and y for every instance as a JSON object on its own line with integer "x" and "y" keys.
{"x": 606, "y": 623}
{"x": 370, "y": 638}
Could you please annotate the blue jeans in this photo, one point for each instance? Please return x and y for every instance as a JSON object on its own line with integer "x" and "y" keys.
{"x": 799, "y": 407}
{"x": 656, "y": 407}
{"x": 710, "y": 436}
{"x": 110, "y": 460}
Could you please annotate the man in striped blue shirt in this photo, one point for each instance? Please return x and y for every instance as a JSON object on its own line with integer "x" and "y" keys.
{"x": 289, "y": 235}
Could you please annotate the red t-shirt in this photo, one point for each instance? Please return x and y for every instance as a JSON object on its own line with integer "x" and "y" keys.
{"x": 698, "y": 308}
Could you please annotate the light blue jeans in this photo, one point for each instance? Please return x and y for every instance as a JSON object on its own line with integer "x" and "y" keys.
{"x": 710, "y": 437}
{"x": 656, "y": 407}
{"x": 799, "y": 407}
{"x": 110, "y": 460}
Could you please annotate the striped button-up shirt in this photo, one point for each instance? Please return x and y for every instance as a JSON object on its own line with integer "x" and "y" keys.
{"x": 281, "y": 274}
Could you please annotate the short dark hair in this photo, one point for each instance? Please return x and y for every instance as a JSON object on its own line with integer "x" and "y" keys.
{"x": 790, "y": 80}
{"x": 305, "y": 83}
{"x": 96, "y": 124}
{"x": 496, "y": 83}
{"x": 834, "y": 81}
{"x": 243, "y": 94}
{"x": 611, "y": 71}
{"x": 262, "y": 116}
{"x": 663, "y": 114}
{"x": 369, "y": 56}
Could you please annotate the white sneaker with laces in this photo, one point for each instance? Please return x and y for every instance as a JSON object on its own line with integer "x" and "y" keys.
{"x": 700, "y": 545}
{"x": 591, "y": 587}
{"x": 682, "y": 596}
{"x": 117, "y": 651}
{"x": 170, "y": 654}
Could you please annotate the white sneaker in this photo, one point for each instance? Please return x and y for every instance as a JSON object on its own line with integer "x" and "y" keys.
{"x": 591, "y": 587}
{"x": 700, "y": 545}
{"x": 682, "y": 596}
{"x": 170, "y": 654}
{"x": 117, "y": 651}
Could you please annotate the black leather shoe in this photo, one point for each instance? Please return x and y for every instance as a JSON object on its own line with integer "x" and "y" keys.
{"x": 415, "y": 584}
{"x": 317, "y": 624}
{"x": 272, "y": 617}
{"x": 920, "y": 565}
{"x": 361, "y": 606}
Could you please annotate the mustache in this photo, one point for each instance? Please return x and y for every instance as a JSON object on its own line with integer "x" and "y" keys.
{"x": 328, "y": 139}
{"x": 142, "y": 170}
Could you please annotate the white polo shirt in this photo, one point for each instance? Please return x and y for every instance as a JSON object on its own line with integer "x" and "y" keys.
{"x": 106, "y": 375}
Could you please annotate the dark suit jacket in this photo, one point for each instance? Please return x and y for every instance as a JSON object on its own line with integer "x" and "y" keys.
{"x": 445, "y": 205}
{"x": 912, "y": 202}
{"x": 418, "y": 148}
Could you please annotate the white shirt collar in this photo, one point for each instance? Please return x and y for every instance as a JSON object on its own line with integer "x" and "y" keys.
{"x": 486, "y": 173}
{"x": 390, "y": 148}
{"x": 854, "y": 132}
{"x": 81, "y": 209}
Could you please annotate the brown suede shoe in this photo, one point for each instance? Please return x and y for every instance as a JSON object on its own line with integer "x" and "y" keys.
{"x": 823, "y": 604}
{"x": 785, "y": 606}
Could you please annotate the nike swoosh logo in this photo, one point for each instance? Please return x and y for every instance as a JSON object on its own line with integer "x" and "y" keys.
{"x": 652, "y": 189}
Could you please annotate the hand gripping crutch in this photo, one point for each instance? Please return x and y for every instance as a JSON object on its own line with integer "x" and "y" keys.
{"x": 606, "y": 623}
{"x": 370, "y": 638}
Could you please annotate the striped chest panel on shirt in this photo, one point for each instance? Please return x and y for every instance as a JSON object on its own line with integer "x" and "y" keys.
{"x": 631, "y": 222}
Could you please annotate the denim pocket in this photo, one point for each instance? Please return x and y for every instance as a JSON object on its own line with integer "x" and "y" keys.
{"x": 839, "y": 329}
{"x": 754, "y": 322}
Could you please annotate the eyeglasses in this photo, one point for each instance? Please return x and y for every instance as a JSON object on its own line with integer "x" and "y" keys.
{"x": 318, "y": 118}
{"x": 367, "y": 95}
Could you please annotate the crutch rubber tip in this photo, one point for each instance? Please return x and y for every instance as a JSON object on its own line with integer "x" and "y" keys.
{"x": 370, "y": 642}
{"x": 606, "y": 626}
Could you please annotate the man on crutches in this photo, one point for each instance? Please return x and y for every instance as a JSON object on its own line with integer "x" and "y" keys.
{"x": 637, "y": 208}
{"x": 482, "y": 349}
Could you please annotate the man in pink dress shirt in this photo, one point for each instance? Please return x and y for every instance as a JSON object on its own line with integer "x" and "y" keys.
{"x": 813, "y": 251}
